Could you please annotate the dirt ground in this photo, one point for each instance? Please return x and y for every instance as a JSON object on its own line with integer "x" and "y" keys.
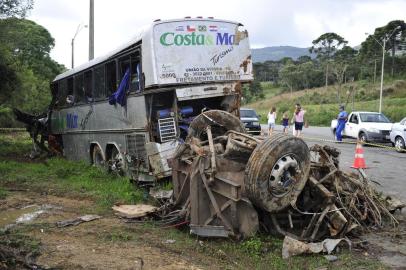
{"x": 110, "y": 243}
{"x": 99, "y": 244}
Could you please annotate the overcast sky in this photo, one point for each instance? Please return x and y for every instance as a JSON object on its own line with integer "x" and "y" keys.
{"x": 269, "y": 22}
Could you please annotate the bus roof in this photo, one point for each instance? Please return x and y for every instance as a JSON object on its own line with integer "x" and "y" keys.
{"x": 136, "y": 38}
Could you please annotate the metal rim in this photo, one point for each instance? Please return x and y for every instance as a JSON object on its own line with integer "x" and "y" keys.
{"x": 399, "y": 144}
{"x": 117, "y": 161}
{"x": 362, "y": 137}
{"x": 283, "y": 175}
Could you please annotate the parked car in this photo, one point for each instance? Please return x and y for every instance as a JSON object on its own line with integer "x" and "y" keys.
{"x": 398, "y": 135}
{"x": 251, "y": 121}
{"x": 366, "y": 126}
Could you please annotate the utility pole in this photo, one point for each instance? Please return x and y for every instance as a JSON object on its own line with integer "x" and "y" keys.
{"x": 91, "y": 30}
{"x": 375, "y": 71}
{"x": 383, "y": 45}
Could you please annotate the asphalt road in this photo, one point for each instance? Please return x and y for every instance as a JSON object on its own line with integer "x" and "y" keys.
{"x": 385, "y": 166}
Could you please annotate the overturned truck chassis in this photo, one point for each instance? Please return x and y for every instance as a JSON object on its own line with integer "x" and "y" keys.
{"x": 228, "y": 183}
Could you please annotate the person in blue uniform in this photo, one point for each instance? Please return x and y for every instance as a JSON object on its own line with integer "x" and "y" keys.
{"x": 341, "y": 119}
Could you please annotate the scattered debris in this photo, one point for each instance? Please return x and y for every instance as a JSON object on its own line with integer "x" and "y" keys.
{"x": 292, "y": 247}
{"x": 227, "y": 183}
{"x": 77, "y": 221}
{"x": 134, "y": 211}
{"x": 394, "y": 204}
{"x": 331, "y": 258}
{"x": 160, "y": 194}
{"x": 170, "y": 241}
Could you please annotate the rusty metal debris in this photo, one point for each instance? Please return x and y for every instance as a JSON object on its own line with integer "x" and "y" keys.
{"x": 228, "y": 183}
{"x": 77, "y": 221}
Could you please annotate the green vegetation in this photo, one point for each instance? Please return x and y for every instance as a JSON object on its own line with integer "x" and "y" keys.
{"x": 26, "y": 68}
{"x": 332, "y": 66}
{"x": 62, "y": 177}
{"x": 320, "y": 103}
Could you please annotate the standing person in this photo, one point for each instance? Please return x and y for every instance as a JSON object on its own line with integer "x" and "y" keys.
{"x": 271, "y": 120}
{"x": 298, "y": 119}
{"x": 285, "y": 122}
{"x": 341, "y": 119}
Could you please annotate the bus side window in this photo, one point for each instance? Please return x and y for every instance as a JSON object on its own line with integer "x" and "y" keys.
{"x": 79, "y": 92}
{"x": 70, "y": 99}
{"x": 99, "y": 83}
{"x": 88, "y": 85}
{"x": 111, "y": 77}
{"x": 135, "y": 75}
{"x": 62, "y": 93}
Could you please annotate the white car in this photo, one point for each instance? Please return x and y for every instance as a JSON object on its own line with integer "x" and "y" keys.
{"x": 366, "y": 126}
{"x": 398, "y": 135}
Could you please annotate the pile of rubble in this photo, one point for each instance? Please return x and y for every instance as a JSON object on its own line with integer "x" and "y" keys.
{"x": 227, "y": 183}
{"x": 334, "y": 203}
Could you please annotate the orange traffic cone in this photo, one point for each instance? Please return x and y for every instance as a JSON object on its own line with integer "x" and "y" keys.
{"x": 359, "y": 161}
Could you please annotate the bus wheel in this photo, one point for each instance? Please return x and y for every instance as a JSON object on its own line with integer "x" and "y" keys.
{"x": 116, "y": 162}
{"x": 97, "y": 157}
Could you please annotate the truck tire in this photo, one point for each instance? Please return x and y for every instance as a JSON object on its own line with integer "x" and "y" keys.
{"x": 220, "y": 122}
{"x": 277, "y": 171}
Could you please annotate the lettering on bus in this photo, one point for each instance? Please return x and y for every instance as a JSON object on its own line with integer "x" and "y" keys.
{"x": 71, "y": 120}
{"x": 216, "y": 58}
{"x": 202, "y": 74}
{"x": 193, "y": 39}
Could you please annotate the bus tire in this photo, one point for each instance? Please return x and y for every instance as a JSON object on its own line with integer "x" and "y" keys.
{"x": 116, "y": 162}
{"x": 97, "y": 157}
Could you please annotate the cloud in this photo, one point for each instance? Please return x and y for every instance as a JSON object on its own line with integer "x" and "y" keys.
{"x": 269, "y": 22}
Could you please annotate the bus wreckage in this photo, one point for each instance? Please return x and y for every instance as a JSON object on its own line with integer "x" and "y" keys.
{"x": 165, "y": 107}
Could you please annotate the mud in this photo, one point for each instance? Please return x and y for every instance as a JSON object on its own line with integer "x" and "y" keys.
{"x": 107, "y": 243}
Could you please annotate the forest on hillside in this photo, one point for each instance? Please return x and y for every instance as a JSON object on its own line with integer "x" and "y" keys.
{"x": 336, "y": 63}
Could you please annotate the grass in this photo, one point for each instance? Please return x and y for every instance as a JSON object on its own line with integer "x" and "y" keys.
{"x": 321, "y": 105}
{"x": 14, "y": 144}
{"x": 61, "y": 176}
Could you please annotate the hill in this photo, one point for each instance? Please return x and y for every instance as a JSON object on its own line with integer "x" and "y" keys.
{"x": 276, "y": 53}
{"x": 321, "y": 104}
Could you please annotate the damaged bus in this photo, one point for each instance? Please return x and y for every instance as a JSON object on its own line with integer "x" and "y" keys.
{"x": 131, "y": 108}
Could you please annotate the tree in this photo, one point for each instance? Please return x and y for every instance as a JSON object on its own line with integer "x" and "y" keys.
{"x": 15, "y": 8}
{"x": 342, "y": 60}
{"x": 290, "y": 76}
{"x": 26, "y": 68}
{"x": 252, "y": 92}
{"x": 371, "y": 47}
{"x": 325, "y": 47}
{"x": 304, "y": 59}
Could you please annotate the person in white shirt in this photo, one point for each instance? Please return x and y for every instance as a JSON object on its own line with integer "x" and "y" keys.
{"x": 271, "y": 120}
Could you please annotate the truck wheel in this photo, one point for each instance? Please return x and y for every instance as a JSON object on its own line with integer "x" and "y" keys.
{"x": 220, "y": 122}
{"x": 362, "y": 137}
{"x": 399, "y": 144}
{"x": 97, "y": 157}
{"x": 277, "y": 171}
